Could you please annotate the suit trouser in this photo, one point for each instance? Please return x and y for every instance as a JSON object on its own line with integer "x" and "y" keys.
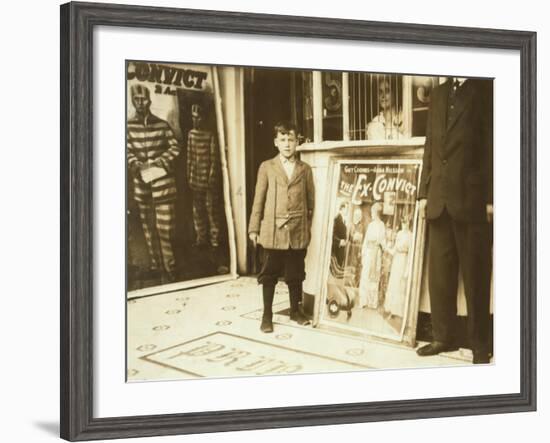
{"x": 206, "y": 216}
{"x": 158, "y": 221}
{"x": 457, "y": 245}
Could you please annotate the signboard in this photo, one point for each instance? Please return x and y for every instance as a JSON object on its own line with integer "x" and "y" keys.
{"x": 179, "y": 225}
{"x": 371, "y": 256}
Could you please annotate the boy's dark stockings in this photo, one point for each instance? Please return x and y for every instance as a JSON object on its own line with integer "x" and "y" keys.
{"x": 267, "y": 318}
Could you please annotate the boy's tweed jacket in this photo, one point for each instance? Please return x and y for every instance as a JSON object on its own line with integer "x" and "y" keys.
{"x": 283, "y": 208}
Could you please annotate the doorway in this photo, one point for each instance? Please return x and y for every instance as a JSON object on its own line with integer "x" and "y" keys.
{"x": 267, "y": 101}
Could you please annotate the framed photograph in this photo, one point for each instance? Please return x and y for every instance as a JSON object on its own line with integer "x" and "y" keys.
{"x": 289, "y": 239}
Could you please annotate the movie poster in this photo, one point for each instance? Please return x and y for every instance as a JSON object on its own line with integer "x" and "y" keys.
{"x": 177, "y": 207}
{"x": 370, "y": 253}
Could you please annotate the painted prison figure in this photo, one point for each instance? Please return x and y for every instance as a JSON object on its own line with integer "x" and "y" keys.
{"x": 151, "y": 145}
{"x": 204, "y": 179}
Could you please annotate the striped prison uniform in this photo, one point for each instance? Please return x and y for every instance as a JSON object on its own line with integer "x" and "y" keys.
{"x": 152, "y": 141}
{"x": 203, "y": 177}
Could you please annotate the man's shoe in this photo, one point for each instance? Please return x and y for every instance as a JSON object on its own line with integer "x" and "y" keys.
{"x": 267, "y": 325}
{"x": 435, "y": 348}
{"x": 299, "y": 318}
{"x": 481, "y": 358}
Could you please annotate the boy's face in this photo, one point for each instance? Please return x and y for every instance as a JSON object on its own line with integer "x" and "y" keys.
{"x": 286, "y": 144}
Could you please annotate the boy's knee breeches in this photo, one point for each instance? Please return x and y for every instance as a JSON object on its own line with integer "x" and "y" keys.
{"x": 286, "y": 263}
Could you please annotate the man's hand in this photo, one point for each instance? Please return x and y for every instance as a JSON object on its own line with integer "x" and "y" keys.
{"x": 342, "y": 243}
{"x": 158, "y": 163}
{"x": 422, "y": 207}
{"x": 253, "y": 236}
{"x": 489, "y": 208}
{"x": 136, "y": 169}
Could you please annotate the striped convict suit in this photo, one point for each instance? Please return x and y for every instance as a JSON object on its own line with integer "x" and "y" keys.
{"x": 152, "y": 141}
{"x": 203, "y": 177}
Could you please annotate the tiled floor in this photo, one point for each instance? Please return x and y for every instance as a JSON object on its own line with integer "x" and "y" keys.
{"x": 213, "y": 331}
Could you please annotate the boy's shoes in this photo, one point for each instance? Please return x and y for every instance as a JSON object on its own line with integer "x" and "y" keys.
{"x": 299, "y": 318}
{"x": 435, "y": 348}
{"x": 267, "y": 325}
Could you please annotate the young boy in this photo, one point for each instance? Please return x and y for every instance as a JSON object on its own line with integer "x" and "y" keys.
{"x": 281, "y": 222}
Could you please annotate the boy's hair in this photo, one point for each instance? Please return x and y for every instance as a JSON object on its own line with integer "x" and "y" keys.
{"x": 284, "y": 127}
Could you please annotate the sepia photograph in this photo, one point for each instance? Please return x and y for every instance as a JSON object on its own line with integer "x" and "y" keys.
{"x": 286, "y": 221}
{"x": 280, "y": 221}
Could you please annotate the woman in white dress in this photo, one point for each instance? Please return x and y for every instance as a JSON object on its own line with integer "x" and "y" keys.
{"x": 374, "y": 244}
{"x": 397, "y": 286}
{"x": 388, "y": 124}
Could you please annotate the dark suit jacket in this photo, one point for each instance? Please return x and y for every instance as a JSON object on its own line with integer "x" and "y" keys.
{"x": 339, "y": 232}
{"x": 457, "y": 171}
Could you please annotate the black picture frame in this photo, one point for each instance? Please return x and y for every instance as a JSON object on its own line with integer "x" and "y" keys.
{"x": 76, "y": 211}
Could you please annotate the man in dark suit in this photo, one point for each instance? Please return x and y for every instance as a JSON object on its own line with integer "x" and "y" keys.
{"x": 456, "y": 196}
{"x": 340, "y": 234}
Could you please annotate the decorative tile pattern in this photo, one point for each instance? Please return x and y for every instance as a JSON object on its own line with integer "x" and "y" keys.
{"x": 355, "y": 352}
{"x": 206, "y": 311}
{"x": 161, "y": 328}
{"x": 224, "y": 323}
{"x": 173, "y": 311}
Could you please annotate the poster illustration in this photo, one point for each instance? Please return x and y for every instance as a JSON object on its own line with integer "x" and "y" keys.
{"x": 372, "y": 237}
{"x": 177, "y": 207}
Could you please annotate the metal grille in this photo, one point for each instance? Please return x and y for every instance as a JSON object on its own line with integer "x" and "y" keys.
{"x": 376, "y": 103}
